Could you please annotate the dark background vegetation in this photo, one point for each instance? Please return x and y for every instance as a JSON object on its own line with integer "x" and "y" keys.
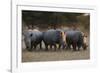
{"x": 45, "y": 19}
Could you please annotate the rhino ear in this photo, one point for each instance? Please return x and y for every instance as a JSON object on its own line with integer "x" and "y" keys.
{"x": 84, "y": 35}
{"x": 60, "y": 33}
{"x": 30, "y": 35}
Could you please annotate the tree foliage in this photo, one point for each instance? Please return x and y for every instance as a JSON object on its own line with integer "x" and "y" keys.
{"x": 50, "y": 18}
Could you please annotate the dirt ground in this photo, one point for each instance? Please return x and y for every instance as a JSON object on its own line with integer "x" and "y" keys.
{"x": 37, "y": 56}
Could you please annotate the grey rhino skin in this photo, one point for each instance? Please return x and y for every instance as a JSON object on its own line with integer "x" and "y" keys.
{"x": 36, "y": 38}
{"x": 74, "y": 38}
{"x": 32, "y": 39}
{"x": 27, "y": 39}
{"x": 52, "y": 37}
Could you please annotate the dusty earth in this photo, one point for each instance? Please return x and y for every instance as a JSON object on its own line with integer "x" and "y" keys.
{"x": 36, "y": 56}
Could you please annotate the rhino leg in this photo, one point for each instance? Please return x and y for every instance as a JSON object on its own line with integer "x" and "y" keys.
{"x": 74, "y": 46}
{"x": 55, "y": 47}
{"x": 85, "y": 46}
{"x": 28, "y": 48}
{"x": 46, "y": 47}
{"x": 50, "y": 46}
{"x": 34, "y": 47}
{"x": 59, "y": 46}
{"x": 41, "y": 45}
{"x": 79, "y": 48}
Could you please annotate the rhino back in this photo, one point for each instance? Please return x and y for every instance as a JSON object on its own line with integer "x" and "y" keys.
{"x": 36, "y": 36}
{"x": 50, "y": 36}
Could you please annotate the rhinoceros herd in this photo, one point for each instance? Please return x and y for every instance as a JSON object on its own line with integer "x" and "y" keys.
{"x": 55, "y": 38}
